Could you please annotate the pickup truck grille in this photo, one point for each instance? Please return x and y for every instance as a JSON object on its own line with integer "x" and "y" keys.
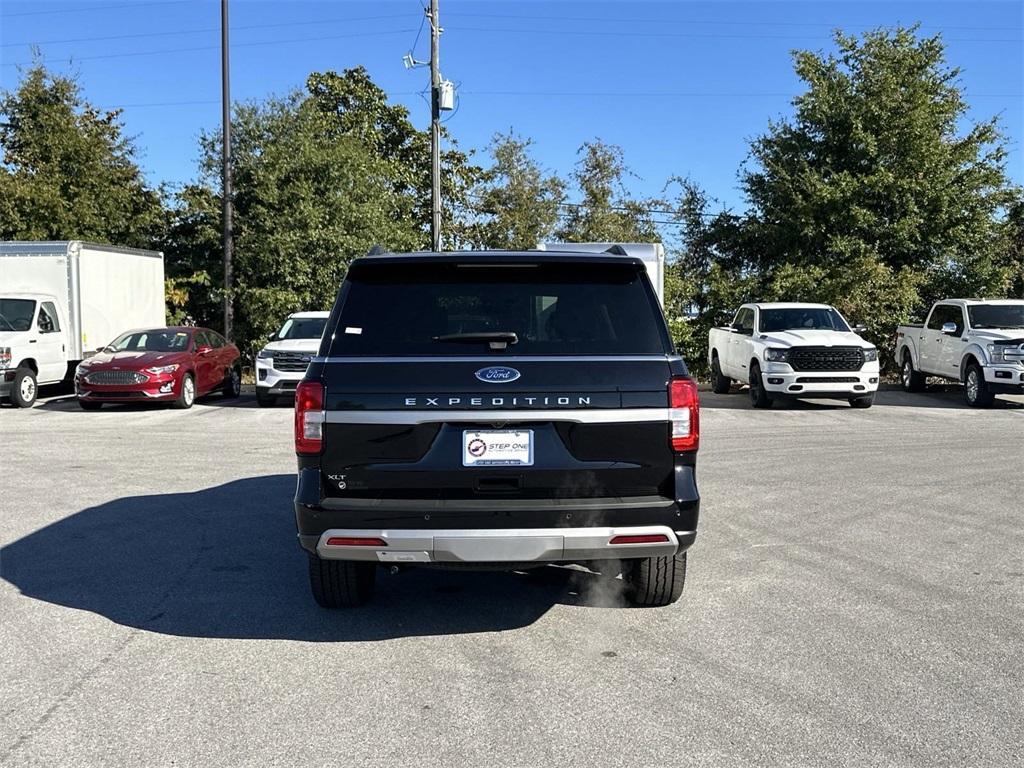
{"x": 292, "y": 361}
{"x": 116, "y": 377}
{"x": 826, "y": 358}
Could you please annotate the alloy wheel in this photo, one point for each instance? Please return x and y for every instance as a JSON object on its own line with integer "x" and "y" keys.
{"x": 189, "y": 391}
{"x": 972, "y": 385}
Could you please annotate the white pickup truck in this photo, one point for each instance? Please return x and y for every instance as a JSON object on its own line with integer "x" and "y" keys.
{"x": 980, "y": 343}
{"x": 793, "y": 350}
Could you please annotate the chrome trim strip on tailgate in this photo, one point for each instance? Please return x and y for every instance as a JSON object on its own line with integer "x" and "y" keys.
{"x": 504, "y": 416}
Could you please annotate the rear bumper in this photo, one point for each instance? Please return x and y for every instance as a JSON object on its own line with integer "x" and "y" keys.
{"x": 502, "y": 545}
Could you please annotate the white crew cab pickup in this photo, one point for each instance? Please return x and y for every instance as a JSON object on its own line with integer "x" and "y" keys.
{"x": 282, "y": 363}
{"x": 980, "y": 343}
{"x": 793, "y": 350}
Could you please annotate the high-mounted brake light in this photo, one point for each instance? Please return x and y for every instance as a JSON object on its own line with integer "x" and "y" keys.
{"x": 309, "y": 417}
{"x": 684, "y": 412}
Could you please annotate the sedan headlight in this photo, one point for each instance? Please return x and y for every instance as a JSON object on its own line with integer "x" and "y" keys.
{"x": 776, "y": 355}
{"x": 5, "y": 357}
{"x": 870, "y": 355}
{"x": 158, "y": 369}
{"x": 265, "y": 354}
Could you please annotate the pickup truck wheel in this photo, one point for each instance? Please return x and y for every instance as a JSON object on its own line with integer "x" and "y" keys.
{"x": 862, "y": 402}
{"x": 233, "y": 382}
{"x": 24, "y": 388}
{"x": 187, "y": 396}
{"x": 913, "y": 381}
{"x": 976, "y": 391}
{"x": 89, "y": 405}
{"x": 341, "y": 583}
{"x": 654, "y": 581}
{"x": 719, "y": 384}
{"x": 759, "y": 398}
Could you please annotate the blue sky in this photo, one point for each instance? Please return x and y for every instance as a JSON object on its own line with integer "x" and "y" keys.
{"x": 680, "y": 86}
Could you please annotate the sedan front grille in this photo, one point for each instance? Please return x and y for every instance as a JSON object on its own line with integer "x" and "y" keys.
{"x": 826, "y": 358}
{"x": 296, "y": 362}
{"x": 116, "y": 377}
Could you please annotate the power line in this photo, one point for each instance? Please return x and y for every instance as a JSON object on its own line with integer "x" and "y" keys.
{"x": 90, "y": 8}
{"x": 684, "y": 94}
{"x": 632, "y": 19}
{"x": 691, "y": 35}
{"x": 206, "y": 29}
{"x": 206, "y": 48}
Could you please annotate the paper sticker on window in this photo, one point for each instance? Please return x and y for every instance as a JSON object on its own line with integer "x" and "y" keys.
{"x": 354, "y": 331}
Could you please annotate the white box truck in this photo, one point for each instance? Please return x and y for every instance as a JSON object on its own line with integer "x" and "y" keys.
{"x": 61, "y": 302}
{"x": 652, "y": 255}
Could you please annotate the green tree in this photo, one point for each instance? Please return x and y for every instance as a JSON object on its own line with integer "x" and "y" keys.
{"x": 68, "y": 171}
{"x": 606, "y": 213}
{"x": 517, "y": 204}
{"x": 871, "y": 196}
{"x": 320, "y": 177}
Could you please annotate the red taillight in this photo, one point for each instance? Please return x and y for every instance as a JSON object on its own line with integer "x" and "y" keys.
{"x": 309, "y": 417}
{"x": 349, "y": 541}
{"x": 684, "y": 405}
{"x": 649, "y": 538}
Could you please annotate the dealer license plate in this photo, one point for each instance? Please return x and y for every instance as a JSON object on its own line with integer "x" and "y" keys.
{"x": 498, "y": 448}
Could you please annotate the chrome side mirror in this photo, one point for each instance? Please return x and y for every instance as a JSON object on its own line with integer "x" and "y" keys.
{"x": 949, "y": 329}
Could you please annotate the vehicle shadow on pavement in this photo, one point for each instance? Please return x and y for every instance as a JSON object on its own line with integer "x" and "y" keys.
{"x": 223, "y": 563}
{"x": 69, "y": 404}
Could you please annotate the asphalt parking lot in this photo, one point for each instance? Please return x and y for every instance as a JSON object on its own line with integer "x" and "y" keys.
{"x": 855, "y": 597}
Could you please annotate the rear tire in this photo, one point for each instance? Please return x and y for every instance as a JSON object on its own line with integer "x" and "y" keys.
{"x": 89, "y": 405}
{"x": 233, "y": 383}
{"x": 654, "y": 581}
{"x": 264, "y": 401}
{"x": 913, "y": 381}
{"x": 862, "y": 402}
{"x": 976, "y": 391}
{"x": 719, "y": 384}
{"x": 341, "y": 583}
{"x": 759, "y": 398}
{"x": 24, "y": 388}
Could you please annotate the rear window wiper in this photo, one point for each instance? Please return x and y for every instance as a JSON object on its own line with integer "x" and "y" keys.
{"x": 496, "y": 339}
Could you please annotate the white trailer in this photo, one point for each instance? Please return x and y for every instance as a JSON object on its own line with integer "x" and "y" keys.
{"x": 652, "y": 255}
{"x": 60, "y": 302}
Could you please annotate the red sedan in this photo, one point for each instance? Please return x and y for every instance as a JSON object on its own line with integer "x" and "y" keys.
{"x": 174, "y": 365}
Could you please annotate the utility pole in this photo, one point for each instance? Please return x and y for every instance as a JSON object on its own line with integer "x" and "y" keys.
{"x": 435, "y": 129}
{"x": 225, "y": 79}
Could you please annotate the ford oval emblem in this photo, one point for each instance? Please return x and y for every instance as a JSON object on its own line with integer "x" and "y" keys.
{"x": 497, "y": 374}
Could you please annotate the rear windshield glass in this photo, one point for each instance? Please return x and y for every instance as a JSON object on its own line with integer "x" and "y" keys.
{"x": 302, "y": 328}
{"x": 452, "y": 309}
{"x": 802, "y": 319}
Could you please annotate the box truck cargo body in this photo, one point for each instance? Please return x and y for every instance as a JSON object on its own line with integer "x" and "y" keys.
{"x": 60, "y": 302}
{"x": 652, "y": 255}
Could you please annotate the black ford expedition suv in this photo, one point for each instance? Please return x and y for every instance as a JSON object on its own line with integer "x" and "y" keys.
{"x": 497, "y": 409}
